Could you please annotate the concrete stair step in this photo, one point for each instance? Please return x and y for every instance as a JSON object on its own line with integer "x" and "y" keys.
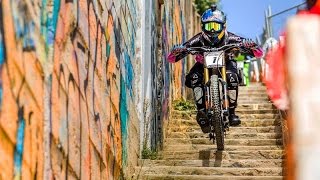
{"x": 254, "y": 114}
{"x": 240, "y": 163}
{"x": 221, "y": 155}
{"x": 251, "y": 92}
{"x": 183, "y": 170}
{"x": 259, "y": 116}
{"x": 237, "y": 142}
{"x": 253, "y": 102}
{"x": 253, "y": 88}
{"x": 244, "y": 123}
{"x": 252, "y": 95}
{"x": 267, "y": 129}
{"x": 200, "y": 177}
{"x": 248, "y": 92}
{"x": 260, "y": 123}
{"x": 253, "y": 98}
{"x": 211, "y": 147}
{"x": 183, "y": 114}
{"x": 260, "y": 111}
{"x": 229, "y": 135}
{"x": 255, "y": 106}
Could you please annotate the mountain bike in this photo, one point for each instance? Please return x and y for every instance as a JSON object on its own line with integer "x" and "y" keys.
{"x": 216, "y": 90}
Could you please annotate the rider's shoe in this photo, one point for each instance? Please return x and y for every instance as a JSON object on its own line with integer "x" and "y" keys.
{"x": 203, "y": 121}
{"x": 234, "y": 120}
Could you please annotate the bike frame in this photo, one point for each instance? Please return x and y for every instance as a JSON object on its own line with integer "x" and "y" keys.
{"x": 220, "y": 72}
{"x": 208, "y": 72}
{"x": 216, "y": 91}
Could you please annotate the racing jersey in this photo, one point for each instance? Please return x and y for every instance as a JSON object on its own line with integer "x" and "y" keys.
{"x": 203, "y": 40}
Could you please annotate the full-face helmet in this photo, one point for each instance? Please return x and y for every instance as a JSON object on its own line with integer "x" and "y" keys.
{"x": 213, "y": 22}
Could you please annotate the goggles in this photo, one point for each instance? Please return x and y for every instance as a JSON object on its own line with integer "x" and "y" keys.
{"x": 213, "y": 26}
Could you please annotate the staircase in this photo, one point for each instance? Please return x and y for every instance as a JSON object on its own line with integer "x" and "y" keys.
{"x": 252, "y": 151}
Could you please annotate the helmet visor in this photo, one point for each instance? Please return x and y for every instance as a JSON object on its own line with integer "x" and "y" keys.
{"x": 213, "y": 26}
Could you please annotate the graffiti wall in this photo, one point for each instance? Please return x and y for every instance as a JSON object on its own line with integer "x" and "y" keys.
{"x": 2, "y": 52}
{"x": 78, "y": 85}
{"x": 67, "y": 79}
{"x": 179, "y": 22}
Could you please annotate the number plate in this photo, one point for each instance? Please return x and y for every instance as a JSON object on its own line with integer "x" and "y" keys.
{"x": 214, "y": 59}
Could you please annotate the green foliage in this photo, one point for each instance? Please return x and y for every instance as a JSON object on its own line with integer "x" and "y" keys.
{"x": 203, "y": 5}
{"x": 147, "y": 153}
{"x": 183, "y": 105}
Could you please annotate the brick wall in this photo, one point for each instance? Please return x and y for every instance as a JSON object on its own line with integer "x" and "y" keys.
{"x": 71, "y": 83}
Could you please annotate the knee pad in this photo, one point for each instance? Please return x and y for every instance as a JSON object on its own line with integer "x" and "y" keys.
{"x": 233, "y": 98}
{"x": 233, "y": 80}
{"x": 199, "y": 97}
{"x": 193, "y": 79}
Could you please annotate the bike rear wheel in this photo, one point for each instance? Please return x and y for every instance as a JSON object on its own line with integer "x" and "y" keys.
{"x": 215, "y": 89}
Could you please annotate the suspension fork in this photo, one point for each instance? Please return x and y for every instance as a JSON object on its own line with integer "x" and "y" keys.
{"x": 206, "y": 80}
{"x": 225, "y": 92}
{"x": 223, "y": 81}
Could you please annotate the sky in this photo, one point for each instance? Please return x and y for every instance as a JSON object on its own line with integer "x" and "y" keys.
{"x": 246, "y": 17}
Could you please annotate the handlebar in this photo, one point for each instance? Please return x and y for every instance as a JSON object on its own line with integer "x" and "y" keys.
{"x": 194, "y": 50}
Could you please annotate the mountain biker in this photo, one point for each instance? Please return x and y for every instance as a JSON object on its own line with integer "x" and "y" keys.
{"x": 214, "y": 34}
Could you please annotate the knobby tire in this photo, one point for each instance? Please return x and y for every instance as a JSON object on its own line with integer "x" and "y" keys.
{"x": 217, "y": 116}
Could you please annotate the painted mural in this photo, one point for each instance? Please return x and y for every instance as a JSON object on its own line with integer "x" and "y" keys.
{"x": 2, "y": 52}
{"x": 90, "y": 48}
{"x": 169, "y": 78}
{"x": 67, "y": 85}
{"x": 174, "y": 31}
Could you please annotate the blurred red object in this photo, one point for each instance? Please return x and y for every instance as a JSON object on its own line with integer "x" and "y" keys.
{"x": 314, "y": 10}
{"x": 275, "y": 79}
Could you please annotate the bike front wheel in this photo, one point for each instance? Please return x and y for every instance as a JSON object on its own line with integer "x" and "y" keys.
{"x": 215, "y": 90}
